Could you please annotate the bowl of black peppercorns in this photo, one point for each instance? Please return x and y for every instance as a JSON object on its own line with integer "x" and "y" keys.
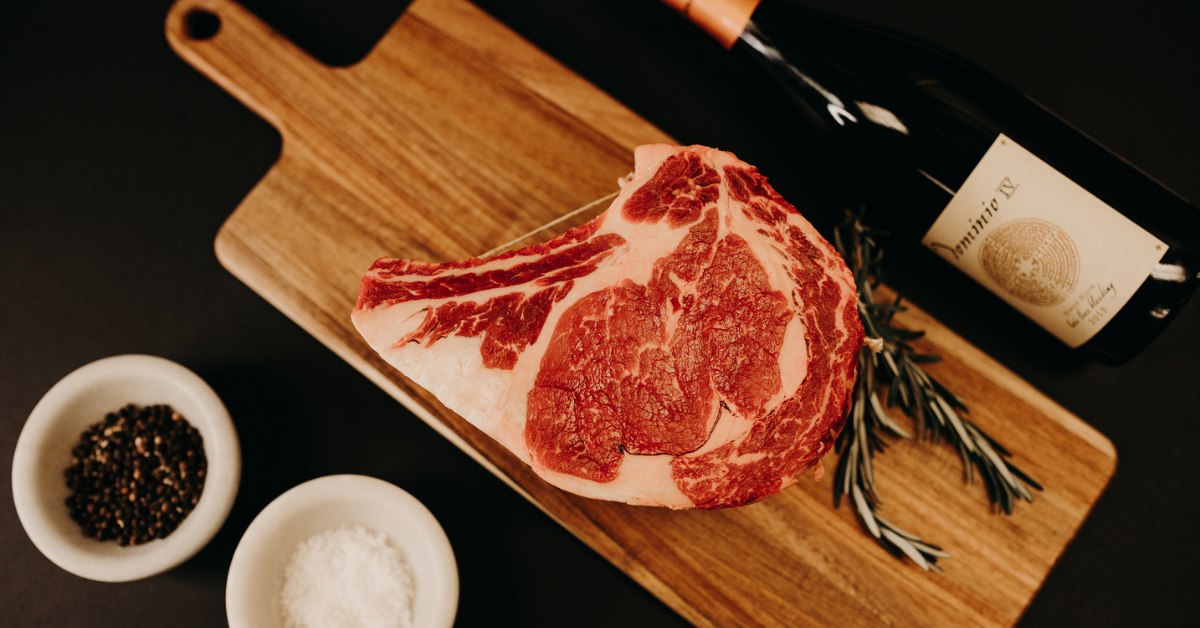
{"x": 126, "y": 468}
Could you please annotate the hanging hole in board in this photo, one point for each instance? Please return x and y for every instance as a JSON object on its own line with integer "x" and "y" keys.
{"x": 200, "y": 24}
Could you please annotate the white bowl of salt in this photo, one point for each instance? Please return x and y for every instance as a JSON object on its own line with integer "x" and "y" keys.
{"x": 343, "y": 550}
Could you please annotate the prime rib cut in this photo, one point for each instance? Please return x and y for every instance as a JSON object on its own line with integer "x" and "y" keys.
{"x": 693, "y": 346}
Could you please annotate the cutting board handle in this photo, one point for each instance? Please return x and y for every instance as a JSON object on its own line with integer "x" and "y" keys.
{"x": 252, "y": 61}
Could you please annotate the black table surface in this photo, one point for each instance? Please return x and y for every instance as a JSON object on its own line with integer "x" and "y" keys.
{"x": 118, "y": 163}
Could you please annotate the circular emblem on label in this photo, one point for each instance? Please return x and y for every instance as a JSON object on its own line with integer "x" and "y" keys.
{"x": 1031, "y": 259}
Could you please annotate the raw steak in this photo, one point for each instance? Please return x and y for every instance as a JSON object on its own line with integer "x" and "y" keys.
{"x": 693, "y": 346}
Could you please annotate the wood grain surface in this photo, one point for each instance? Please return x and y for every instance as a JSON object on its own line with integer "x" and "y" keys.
{"x": 454, "y": 137}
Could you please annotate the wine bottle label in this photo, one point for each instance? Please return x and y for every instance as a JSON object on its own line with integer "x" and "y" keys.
{"x": 723, "y": 19}
{"x": 1044, "y": 244}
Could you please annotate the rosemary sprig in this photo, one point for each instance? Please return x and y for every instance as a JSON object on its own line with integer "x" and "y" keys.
{"x": 937, "y": 413}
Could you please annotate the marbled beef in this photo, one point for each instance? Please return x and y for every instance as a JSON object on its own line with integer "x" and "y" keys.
{"x": 693, "y": 346}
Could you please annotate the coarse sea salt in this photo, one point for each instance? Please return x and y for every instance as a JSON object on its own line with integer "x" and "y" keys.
{"x": 348, "y": 577}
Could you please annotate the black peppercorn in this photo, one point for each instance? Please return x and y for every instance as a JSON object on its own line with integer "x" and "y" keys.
{"x": 135, "y": 475}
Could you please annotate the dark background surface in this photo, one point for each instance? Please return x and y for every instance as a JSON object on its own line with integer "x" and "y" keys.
{"x": 118, "y": 163}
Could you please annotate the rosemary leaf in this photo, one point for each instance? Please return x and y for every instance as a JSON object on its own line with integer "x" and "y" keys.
{"x": 937, "y": 413}
{"x": 907, "y": 548}
{"x": 864, "y": 511}
{"x": 886, "y": 421}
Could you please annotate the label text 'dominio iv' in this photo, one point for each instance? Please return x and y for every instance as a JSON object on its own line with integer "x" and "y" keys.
{"x": 978, "y": 224}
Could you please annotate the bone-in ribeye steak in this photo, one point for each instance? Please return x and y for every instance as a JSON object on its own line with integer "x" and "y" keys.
{"x": 693, "y": 346}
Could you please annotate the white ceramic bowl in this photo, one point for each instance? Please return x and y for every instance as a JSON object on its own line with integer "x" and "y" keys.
{"x": 256, "y": 574}
{"x": 53, "y": 429}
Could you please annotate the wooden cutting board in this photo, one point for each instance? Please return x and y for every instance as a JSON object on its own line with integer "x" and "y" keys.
{"x": 455, "y": 136}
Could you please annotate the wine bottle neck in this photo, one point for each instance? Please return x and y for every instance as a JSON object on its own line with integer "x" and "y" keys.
{"x": 723, "y": 19}
{"x": 800, "y": 83}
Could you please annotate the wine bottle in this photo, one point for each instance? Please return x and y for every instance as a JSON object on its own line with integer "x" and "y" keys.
{"x": 1076, "y": 238}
